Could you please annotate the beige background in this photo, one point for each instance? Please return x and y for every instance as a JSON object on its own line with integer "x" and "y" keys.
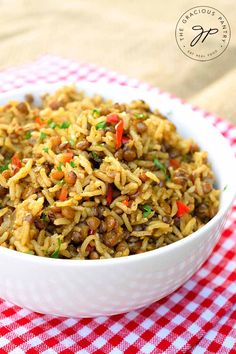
{"x": 132, "y": 37}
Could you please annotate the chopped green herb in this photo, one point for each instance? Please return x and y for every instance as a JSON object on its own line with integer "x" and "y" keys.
{"x": 28, "y": 135}
{"x": 140, "y": 115}
{"x": 55, "y": 254}
{"x": 225, "y": 187}
{"x": 43, "y": 217}
{"x": 161, "y": 167}
{"x": 101, "y": 125}
{"x": 59, "y": 167}
{"x": 72, "y": 142}
{"x": 73, "y": 164}
{"x": 95, "y": 156}
{"x": 147, "y": 210}
{"x": 60, "y": 183}
{"x": 52, "y": 124}
{"x": 42, "y": 136}
{"x": 45, "y": 149}
{"x": 4, "y": 167}
{"x": 1, "y": 206}
{"x": 65, "y": 125}
{"x": 96, "y": 112}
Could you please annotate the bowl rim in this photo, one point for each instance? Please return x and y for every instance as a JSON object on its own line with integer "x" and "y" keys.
{"x": 131, "y": 258}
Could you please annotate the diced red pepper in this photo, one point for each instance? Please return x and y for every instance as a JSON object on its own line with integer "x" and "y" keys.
{"x": 16, "y": 161}
{"x": 182, "y": 209}
{"x": 39, "y": 121}
{"x": 66, "y": 157}
{"x": 63, "y": 194}
{"x": 174, "y": 163}
{"x": 126, "y": 202}
{"x": 119, "y": 133}
{"x": 15, "y": 170}
{"x": 113, "y": 118}
{"x": 109, "y": 194}
{"x": 125, "y": 139}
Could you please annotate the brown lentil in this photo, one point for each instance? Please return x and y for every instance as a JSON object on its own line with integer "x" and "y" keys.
{"x": 93, "y": 255}
{"x": 93, "y": 222}
{"x": 77, "y": 237}
{"x": 111, "y": 222}
{"x": 55, "y": 209}
{"x": 70, "y": 178}
{"x": 177, "y": 221}
{"x": 82, "y": 145}
{"x": 68, "y": 212}
{"x": 111, "y": 238}
{"x": 29, "y": 98}
{"x": 51, "y": 216}
{"x": 202, "y": 211}
{"x": 119, "y": 154}
{"x": 39, "y": 224}
{"x": 122, "y": 246}
{"x": 103, "y": 227}
{"x": 84, "y": 229}
{"x": 180, "y": 177}
{"x": 167, "y": 219}
{"x": 55, "y": 140}
{"x": 141, "y": 127}
{"x": 22, "y": 108}
{"x": 3, "y": 192}
{"x": 55, "y": 105}
{"x": 64, "y": 146}
{"x": 207, "y": 187}
{"x": 129, "y": 155}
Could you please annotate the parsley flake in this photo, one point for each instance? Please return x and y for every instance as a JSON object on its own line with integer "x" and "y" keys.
{"x": 28, "y": 135}
{"x": 43, "y": 217}
{"x": 65, "y": 125}
{"x": 95, "y": 156}
{"x": 55, "y": 254}
{"x": 140, "y": 115}
{"x": 52, "y": 124}
{"x": 101, "y": 125}
{"x": 4, "y": 167}
{"x": 42, "y": 136}
{"x": 59, "y": 167}
{"x": 73, "y": 164}
{"x": 161, "y": 167}
{"x": 72, "y": 142}
{"x": 147, "y": 210}
{"x": 60, "y": 183}
{"x": 96, "y": 112}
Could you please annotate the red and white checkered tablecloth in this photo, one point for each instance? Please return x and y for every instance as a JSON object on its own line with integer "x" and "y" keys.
{"x": 200, "y": 317}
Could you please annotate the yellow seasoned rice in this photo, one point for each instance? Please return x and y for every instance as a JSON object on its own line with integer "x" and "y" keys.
{"x": 85, "y": 178}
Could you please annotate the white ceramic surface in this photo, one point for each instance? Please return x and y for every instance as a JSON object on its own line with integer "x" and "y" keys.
{"x": 105, "y": 287}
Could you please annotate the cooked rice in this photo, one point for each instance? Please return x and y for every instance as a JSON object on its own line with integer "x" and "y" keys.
{"x": 69, "y": 190}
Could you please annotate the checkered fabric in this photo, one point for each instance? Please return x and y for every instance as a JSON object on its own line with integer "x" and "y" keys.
{"x": 200, "y": 317}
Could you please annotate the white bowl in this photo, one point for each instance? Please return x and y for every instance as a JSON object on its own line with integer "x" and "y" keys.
{"x": 78, "y": 288}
